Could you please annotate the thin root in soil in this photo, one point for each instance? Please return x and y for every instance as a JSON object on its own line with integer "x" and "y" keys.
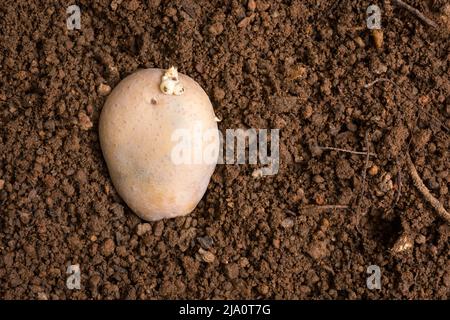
{"x": 324, "y": 207}
{"x": 348, "y": 151}
{"x": 425, "y": 192}
{"x": 415, "y": 12}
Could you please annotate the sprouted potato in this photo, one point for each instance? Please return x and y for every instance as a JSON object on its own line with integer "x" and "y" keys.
{"x": 159, "y": 137}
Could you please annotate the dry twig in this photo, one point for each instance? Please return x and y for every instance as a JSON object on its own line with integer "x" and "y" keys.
{"x": 399, "y": 185}
{"x": 324, "y": 208}
{"x": 368, "y": 85}
{"x": 366, "y": 165}
{"x": 348, "y": 151}
{"x": 425, "y": 192}
{"x": 415, "y": 12}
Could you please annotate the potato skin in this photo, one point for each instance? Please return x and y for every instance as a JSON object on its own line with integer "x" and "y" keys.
{"x": 135, "y": 130}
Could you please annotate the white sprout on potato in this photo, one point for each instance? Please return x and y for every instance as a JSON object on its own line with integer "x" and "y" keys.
{"x": 170, "y": 83}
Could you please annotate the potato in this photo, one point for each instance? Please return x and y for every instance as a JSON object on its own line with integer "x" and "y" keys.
{"x": 138, "y": 127}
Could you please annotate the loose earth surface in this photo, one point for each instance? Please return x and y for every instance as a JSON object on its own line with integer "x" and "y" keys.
{"x": 300, "y": 66}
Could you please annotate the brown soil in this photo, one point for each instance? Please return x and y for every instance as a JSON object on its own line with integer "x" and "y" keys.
{"x": 296, "y": 65}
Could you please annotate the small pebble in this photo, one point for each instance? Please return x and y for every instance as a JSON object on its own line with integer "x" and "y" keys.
{"x": 104, "y": 89}
{"x": 108, "y": 247}
{"x": 360, "y": 42}
{"x": 257, "y": 173}
{"x": 143, "y": 228}
{"x": 42, "y": 296}
{"x": 205, "y": 242}
{"x": 287, "y": 223}
{"x": 216, "y": 28}
{"x": 207, "y": 256}
{"x": 296, "y": 72}
{"x": 318, "y": 179}
{"x": 403, "y": 243}
{"x": 373, "y": 171}
{"x": 263, "y": 289}
{"x": 377, "y": 35}
{"x": 421, "y": 239}
{"x": 251, "y": 5}
{"x": 84, "y": 121}
{"x": 2, "y": 184}
{"x": 380, "y": 69}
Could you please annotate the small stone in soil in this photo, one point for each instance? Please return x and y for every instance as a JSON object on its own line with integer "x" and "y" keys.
{"x": 215, "y": 29}
{"x": 42, "y": 296}
{"x": 296, "y": 72}
{"x": 206, "y": 242}
{"x": 360, "y": 42}
{"x": 287, "y": 223}
{"x": 143, "y": 228}
{"x": 403, "y": 243}
{"x": 207, "y": 256}
{"x": 263, "y": 289}
{"x": 377, "y": 35}
{"x": 421, "y": 239}
{"x": 251, "y": 5}
{"x": 108, "y": 247}
{"x": 84, "y": 121}
{"x": 318, "y": 179}
{"x": 104, "y": 89}
{"x": 373, "y": 170}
